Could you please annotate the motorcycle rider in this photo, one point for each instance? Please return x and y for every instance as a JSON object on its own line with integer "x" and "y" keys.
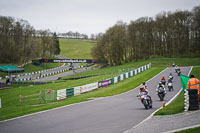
{"x": 160, "y": 85}
{"x": 170, "y": 86}
{"x": 163, "y": 80}
{"x": 170, "y": 76}
{"x": 143, "y": 89}
{"x": 144, "y": 85}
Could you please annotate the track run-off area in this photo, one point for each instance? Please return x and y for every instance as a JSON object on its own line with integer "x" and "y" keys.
{"x": 114, "y": 114}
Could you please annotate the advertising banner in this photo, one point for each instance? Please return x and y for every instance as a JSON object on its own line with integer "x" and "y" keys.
{"x": 61, "y": 94}
{"x": 67, "y": 61}
{"x": 89, "y": 87}
{"x": 104, "y": 83}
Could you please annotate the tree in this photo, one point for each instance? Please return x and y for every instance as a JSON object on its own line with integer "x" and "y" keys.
{"x": 56, "y": 44}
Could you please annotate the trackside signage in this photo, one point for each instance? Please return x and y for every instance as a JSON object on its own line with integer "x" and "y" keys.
{"x": 104, "y": 83}
{"x": 67, "y": 61}
{"x": 89, "y": 87}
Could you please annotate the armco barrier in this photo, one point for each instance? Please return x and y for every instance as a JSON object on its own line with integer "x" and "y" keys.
{"x": 64, "y": 93}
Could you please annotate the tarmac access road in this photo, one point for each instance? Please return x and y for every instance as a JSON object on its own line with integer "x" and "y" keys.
{"x": 114, "y": 114}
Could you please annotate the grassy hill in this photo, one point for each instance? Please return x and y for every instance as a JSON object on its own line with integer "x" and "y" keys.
{"x": 76, "y": 48}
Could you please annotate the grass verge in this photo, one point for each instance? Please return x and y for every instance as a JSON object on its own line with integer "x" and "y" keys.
{"x": 192, "y": 130}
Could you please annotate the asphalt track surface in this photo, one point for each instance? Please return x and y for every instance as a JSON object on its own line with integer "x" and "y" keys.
{"x": 115, "y": 114}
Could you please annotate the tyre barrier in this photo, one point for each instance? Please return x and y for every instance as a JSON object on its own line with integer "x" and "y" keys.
{"x": 193, "y": 99}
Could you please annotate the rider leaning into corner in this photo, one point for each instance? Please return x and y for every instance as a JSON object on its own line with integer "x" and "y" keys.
{"x": 143, "y": 88}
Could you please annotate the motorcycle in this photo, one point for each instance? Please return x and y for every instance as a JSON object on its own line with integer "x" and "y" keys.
{"x": 145, "y": 99}
{"x": 163, "y": 81}
{"x": 170, "y": 85}
{"x": 170, "y": 77}
{"x": 161, "y": 93}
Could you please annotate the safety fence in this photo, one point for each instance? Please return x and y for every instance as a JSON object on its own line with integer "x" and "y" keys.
{"x": 33, "y": 97}
{"x": 38, "y": 98}
{"x": 68, "y": 92}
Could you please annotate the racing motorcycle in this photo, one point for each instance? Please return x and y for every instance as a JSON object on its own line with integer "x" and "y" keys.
{"x": 170, "y": 85}
{"x": 145, "y": 99}
{"x": 161, "y": 93}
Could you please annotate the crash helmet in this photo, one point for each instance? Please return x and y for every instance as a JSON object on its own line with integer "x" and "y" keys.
{"x": 159, "y": 83}
{"x": 144, "y": 83}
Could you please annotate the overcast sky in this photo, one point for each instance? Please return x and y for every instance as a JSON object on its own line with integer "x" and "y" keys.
{"x": 87, "y": 16}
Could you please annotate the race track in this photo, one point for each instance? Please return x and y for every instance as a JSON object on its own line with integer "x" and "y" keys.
{"x": 115, "y": 114}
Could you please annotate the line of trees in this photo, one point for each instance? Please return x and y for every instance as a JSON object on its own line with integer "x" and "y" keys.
{"x": 20, "y": 42}
{"x": 75, "y": 35}
{"x": 169, "y": 34}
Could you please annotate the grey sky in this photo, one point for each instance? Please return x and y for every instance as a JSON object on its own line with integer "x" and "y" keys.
{"x": 87, "y": 16}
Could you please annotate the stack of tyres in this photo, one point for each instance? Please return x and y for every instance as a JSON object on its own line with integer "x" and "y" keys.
{"x": 193, "y": 99}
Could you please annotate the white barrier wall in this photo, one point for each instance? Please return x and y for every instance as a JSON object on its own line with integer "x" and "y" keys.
{"x": 139, "y": 70}
{"x": 127, "y": 75}
{"x": 61, "y": 94}
{"x": 77, "y": 90}
{"x": 121, "y": 77}
{"x": 89, "y": 87}
{"x": 115, "y": 80}
{"x": 131, "y": 73}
